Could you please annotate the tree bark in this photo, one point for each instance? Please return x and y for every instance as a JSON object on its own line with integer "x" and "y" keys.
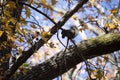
{"x": 57, "y": 64}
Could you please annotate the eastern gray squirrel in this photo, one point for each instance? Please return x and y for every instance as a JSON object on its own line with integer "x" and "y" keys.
{"x": 71, "y": 33}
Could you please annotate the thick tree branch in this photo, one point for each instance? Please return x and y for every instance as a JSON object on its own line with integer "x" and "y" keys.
{"x": 90, "y": 48}
{"x": 26, "y": 54}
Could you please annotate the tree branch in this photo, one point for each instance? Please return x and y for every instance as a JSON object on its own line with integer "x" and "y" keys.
{"x": 90, "y": 48}
{"x": 26, "y": 54}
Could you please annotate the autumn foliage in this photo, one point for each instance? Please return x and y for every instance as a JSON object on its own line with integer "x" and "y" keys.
{"x": 30, "y": 34}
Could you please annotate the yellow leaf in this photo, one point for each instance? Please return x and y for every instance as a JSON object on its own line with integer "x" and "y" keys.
{"x": 114, "y": 11}
{"x": 29, "y": 41}
{"x": 44, "y": 1}
{"x": 99, "y": 74}
{"x": 112, "y": 26}
{"x": 8, "y": 55}
{"x": 21, "y": 39}
{"x": 20, "y": 51}
{"x": 107, "y": 25}
{"x": 11, "y": 37}
{"x": 11, "y": 4}
{"x": 1, "y": 32}
{"x": 23, "y": 70}
{"x": 54, "y": 2}
{"x": 46, "y": 5}
{"x": 46, "y": 53}
{"x": 118, "y": 22}
{"x": 33, "y": 26}
{"x": 91, "y": 18}
{"x": 23, "y": 21}
{"x": 18, "y": 25}
{"x": 7, "y": 13}
{"x": 28, "y": 12}
{"x": 13, "y": 20}
{"x": 45, "y": 36}
{"x": 109, "y": 17}
{"x": 92, "y": 1}
{"x": 30, "y": 1}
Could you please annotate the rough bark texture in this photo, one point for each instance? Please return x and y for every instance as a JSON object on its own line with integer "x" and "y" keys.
{"x": 90, "y": 48}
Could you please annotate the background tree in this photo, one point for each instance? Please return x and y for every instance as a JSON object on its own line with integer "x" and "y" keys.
{"x": 24, "y": 35}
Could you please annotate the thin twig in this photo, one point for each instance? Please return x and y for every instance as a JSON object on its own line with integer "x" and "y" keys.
{"x": 81, "y": 56}
{"x": 35, "y": 19}
{"x": 64, "y": 56}
{"x": 59, "y": 39}
{"x": 97, "y": 25}
{"x": 39, "y": 12}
